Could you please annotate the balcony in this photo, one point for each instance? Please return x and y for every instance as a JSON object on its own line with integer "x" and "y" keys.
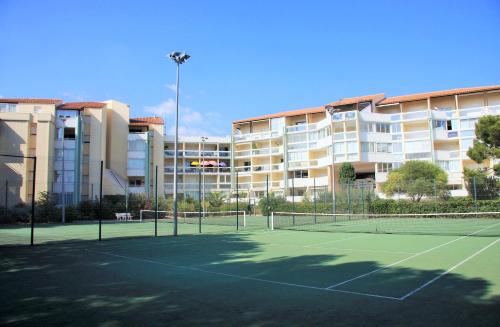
{"x": 257, "y": 136}
{"x": 443, "y": 135}
{"x": 169, "y": 153}
{"x": 350, "y": 115}
{"x": 242, "y": 154}
{"x": 416, "y": 135}
{"x": 416, "y": 115}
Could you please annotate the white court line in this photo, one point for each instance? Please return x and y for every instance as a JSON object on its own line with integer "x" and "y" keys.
{"x": 448, "y": 271}
{"x": 408, "y": 258}
{"x": 243, "y": 277}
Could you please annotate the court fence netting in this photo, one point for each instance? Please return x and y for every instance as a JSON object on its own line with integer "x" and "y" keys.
{"x": 454, "y": 224}
{"x": 219, "y": 218}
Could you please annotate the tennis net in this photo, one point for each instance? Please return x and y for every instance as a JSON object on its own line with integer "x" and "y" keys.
{"x": 472, "y": 224}
{"x": 220, "y": 218}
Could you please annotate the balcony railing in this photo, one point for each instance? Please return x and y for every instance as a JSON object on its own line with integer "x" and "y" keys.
{"x": 257, "y": 136}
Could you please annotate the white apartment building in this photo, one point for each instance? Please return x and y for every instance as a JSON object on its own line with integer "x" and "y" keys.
{"x": 375, "y": 133}
{"x": 206, "y": 157}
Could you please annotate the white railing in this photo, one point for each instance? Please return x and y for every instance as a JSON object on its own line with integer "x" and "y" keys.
{"x": 416, "y": 115}
{"x": 422, "y": 134}
{"x": 257, "y": 136}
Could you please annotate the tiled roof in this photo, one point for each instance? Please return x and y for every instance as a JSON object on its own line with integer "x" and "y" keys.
{"x": 32, "y": 100}
{"x": 291, "y": 113}
{"x": 81, "y": 105}
{"x": 141, "y": 121}
{"x": 423, "y": 96}
{"x": 365, "y": 98}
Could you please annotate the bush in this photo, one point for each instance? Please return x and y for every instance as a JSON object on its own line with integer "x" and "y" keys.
{"x": 458, "y": 204}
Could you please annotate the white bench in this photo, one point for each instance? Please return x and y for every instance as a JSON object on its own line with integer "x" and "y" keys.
{"x": 123, "y": 216}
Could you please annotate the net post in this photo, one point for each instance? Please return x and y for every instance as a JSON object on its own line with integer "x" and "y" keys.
{"x": 272, "y": 221}
{"x": 140, "y": 214}
{"x": 199, "y": 201}
{"x": 100, "y": 202}
{"x": 156, "y": 200}
{"x": 33, "y": 203}
{"x": 244, "y": 219}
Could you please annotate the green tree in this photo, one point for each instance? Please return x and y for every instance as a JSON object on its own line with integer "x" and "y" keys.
{"x": 46, "y": 207}
{"x": 347, "y": 174}
{"x": 487, "y": 144}
{"x": 480, "y": 184}
{"x": 216, "y": 199}
{"x": 417, "y": 179}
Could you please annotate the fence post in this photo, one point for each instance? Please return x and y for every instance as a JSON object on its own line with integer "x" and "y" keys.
{"x": 267, "y": 199}
{"x": 156, "y": 200}
{"x": 100, "y": 203}
{"x": 475, "y": 191}
{"x": 435, "y": 195}
{"x": 237, "y": 203}
{"x": 6, "y": 194}
{"x": 314, "y": 197}
{"x": 199, "y": 201}
{"x": 363, "y": 199}
{"x": 293, "y": 198}
{"x": 33, "y": 202}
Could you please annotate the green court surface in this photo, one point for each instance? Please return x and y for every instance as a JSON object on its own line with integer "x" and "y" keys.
{"x": 253, "y": 276}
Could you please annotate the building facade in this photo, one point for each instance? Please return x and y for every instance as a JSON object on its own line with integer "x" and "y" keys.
{"x": 70, "y": 140}
{"x": 205, "y": 157}
{"x": 375, "y": 133}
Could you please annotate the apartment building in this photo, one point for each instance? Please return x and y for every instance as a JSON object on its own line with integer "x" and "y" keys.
{"x": 70, "y": 140}
{"x": 374, "y": 132}
{"x": 145, "y": 156}
{"x": 208, "y": 157}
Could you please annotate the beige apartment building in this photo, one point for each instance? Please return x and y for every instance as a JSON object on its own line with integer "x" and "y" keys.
{"x": 69, "y": 140}
{"x": 205, "y": 157}
{"x": 374, "y": 132}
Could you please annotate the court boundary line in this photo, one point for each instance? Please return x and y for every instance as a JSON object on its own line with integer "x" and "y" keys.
{"x": 334, "y": 241}
{"x": 408, "y": 258}
{"x": 269, "y": 281}
{"x": 429, "y": 282}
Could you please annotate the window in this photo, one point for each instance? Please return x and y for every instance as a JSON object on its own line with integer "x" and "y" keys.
{"x": 7, "y": 107}
{"x": 397, "y": 147}
{"x": 352, "y": 147}
{"x": 384, "y": 147}
{"x": 301, "y": 174}
{"x": 383, "y": 128}
{"x": 468, "y": 123}
{"x": 385, "y": 167}
{"x": 136, "y": 163}
{"x": 466, "y": 144}
{"x": 298, "y": 156}
{"x": 277, "y": 124}
{"x": 69, "y": 133}
{"x": 137, "y": 145}
{"x": 396, "y": 127}
{"x": 339, "y": 147}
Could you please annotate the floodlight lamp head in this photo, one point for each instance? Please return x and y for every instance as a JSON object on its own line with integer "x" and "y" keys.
{"x": 179, "y": 57}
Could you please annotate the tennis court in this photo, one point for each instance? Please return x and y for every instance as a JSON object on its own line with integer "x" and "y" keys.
{"x": 258, "y": 276}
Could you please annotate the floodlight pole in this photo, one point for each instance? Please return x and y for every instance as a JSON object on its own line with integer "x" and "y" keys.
{"x": 202, "y": 165}
{"x": 179, "y": 58}
{"x": 332, "y": 110}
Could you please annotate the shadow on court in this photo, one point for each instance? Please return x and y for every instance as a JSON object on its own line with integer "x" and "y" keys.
{"x": 200, "y": 280}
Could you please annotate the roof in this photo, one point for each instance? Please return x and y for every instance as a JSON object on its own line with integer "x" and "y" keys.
{"x": 365, "y": 98}
{"x": 81, "y": 105}
{"x": 142, "y": 121}
{"x": 291, "y": 113}
{"x": 30, "y": 100}
{"x": 423, "y": 96}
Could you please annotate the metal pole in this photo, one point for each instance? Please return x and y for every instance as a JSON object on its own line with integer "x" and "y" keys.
{"x": 435, "y": 197}
{"x": 156, "y": 200}
{"x": 63, "y": 211}
{"x": 33, "y": 202}
{"x": 293, "y": 197}
{"x": 203, "y": 139}
{"x": 6, "y": 194}
{"x": 199, "y": 200}
{"x": 267, "y": 199}
{"x": 314, "y": 197}
{"x": 176, "y": 155}
{"x": 100, "y": 203}
{"x": 475, "y": 191}
{"x": 237, "y": 203}
{"x": 126, "y": 198}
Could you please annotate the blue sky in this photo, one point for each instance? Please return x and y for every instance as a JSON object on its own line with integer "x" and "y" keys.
{"x": 248, "y": 57}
